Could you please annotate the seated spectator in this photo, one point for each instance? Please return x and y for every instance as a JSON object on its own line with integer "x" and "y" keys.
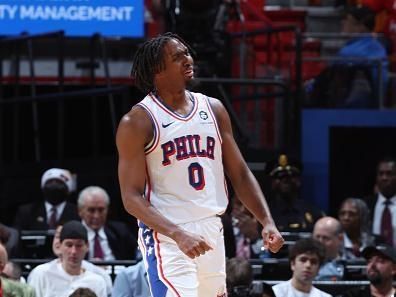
{"x": 381, "y": 269}
{"x": 44, "y": 215}
{"x": 56, "y": 185}
{"x": 383, "y": 204}
{"x": 240, "y": 280}
{"x": 83, "y": 292}
{"x": 354, "y": 217}
{"x": 9, "y": 287}
{"x": 239, "y": 277}
{"x": 305, "y": 259}
{"x": 385, "y": 21}
{"x": 328, "y": 231}
{"x": 248, "y": 241}
{"x": 290, "y": 211}
{"x": 354, "y": 82}
{"x": 9, "y": 237}
{"x": 104, "y": 236}
{"x": 56, "y": 244}
{"x": 61, "y": 278}
{"x": 132, "y": 282}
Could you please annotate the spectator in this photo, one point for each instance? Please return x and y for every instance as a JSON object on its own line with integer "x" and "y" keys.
{"x": 305, "y": 258}
{"x": 56, "y": 244}
{"x": 56, "y": 184}
{"x": 61, "y": 278}
{"x": 8, "y": 287}
{"x": 290, "y": 211}
{"x": 9, "y": 237}
{"x": 132, "y": 282}
{"x": 83, "y": 292}
{"x": 239, "y": 277}
{"x": 328, "y": 231}
{"x": 383, "y": 204}
{"x": 354, "y": 217}
{"x": 246, "y": 230}
{"x": 385, "y": 19}
{"x": 104, "y": 236}
{"x": 381, "y": 268}
{"x": 353, "y": 82}
{"x": 44, "y": 215}
{"x": 240, "y": 280}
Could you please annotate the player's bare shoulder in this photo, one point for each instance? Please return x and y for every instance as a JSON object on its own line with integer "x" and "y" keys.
{"x": 135, "y": 124}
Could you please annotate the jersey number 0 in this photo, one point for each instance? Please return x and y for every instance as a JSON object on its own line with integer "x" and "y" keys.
{"x": 196, "y": 176}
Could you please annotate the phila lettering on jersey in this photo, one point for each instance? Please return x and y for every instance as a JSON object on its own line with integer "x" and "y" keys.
{"x": 185, "y": 177}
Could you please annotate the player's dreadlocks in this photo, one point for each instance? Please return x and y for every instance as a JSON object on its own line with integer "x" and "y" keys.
{"x": 149, "y": 60}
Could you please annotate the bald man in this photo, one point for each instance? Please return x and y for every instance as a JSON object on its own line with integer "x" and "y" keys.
{"x": 329, "y": 232}
{"x": 9, "y": 287}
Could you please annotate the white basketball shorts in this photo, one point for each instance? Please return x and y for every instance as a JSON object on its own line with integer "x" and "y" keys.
{"x": 171, "y": 273}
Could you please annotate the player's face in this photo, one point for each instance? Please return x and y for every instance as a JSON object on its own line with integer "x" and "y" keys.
{"x": 73, "y": 252}
{"x": 305, "y": 267}
{"x": 178, "y": 63}
{"x": 94, "y": 211}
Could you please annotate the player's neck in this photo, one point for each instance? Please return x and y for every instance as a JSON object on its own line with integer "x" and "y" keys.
{"x": 170, "y": 97}
{"x": 179, "y": 102}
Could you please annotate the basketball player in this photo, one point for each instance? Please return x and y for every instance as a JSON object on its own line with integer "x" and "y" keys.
{"x": 172, "y": 148}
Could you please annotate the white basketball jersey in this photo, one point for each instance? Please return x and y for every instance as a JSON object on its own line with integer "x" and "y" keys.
{"x": 185, "y": 178}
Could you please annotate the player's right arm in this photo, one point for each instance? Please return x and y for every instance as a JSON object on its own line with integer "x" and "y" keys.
{"x": 134, "y": 132}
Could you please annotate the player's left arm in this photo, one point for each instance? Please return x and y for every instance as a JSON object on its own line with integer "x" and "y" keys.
{"x": 243, "y": 181}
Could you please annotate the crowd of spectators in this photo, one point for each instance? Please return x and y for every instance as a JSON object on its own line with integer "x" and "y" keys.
{"x": 328, "y": 243}
{"x": 364, "y": 229}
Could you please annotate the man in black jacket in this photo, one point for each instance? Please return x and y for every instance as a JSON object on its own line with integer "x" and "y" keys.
{"x": 108, "y": 240}
{"x": 45, "y": 214}
{"x": 381, "y": 268}
{"x": 383, "y": 204}
{"x": 57, "y": 185}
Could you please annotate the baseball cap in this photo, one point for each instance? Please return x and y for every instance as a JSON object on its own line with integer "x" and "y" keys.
{"x": 73, "y": 230}
{"x": 59, "y": 174}
{"x": 383, "y": 249}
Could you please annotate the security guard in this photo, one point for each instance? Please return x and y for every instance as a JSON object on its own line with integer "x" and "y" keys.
{"x": 290, "y": 212}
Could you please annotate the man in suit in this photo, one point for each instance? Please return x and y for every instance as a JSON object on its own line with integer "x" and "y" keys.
{"x": 56, "y": 184}
{"x": 383, "y": 204}
{"x": 44, "y": 215}
{"x": 108, "y": 240}
{"x": 9, "y": 287}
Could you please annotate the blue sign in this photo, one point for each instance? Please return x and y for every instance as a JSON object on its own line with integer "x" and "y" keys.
{"x": 123, "y": 18}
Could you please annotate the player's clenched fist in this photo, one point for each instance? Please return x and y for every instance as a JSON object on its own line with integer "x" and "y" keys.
{"x": 192, "y": 245}
{"x": 272, "y": 239}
